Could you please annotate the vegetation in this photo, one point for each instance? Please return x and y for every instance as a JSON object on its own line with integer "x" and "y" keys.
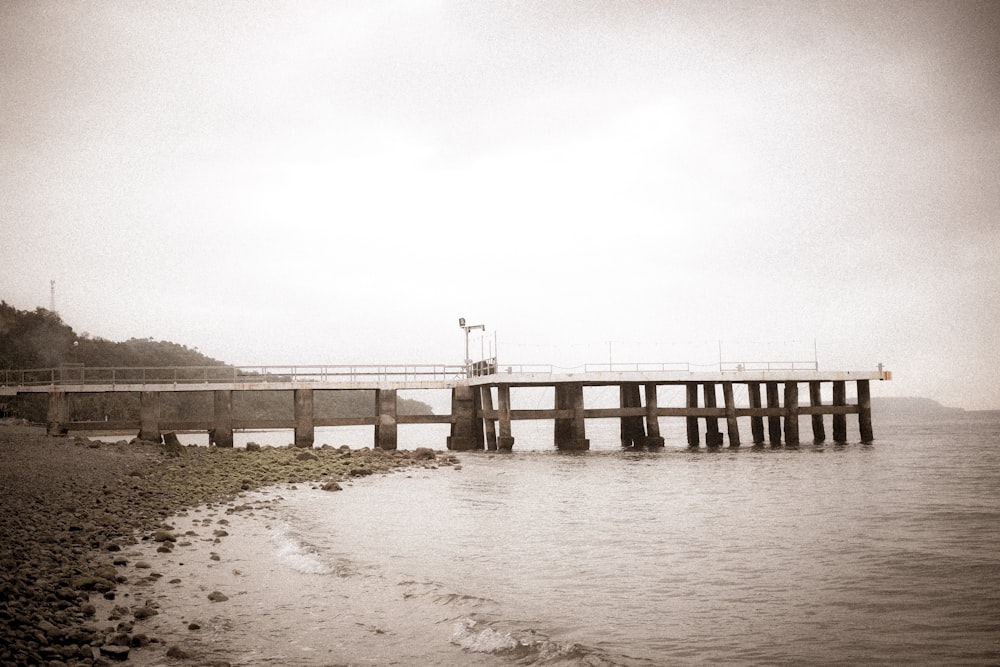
{"x": 40, "y": 339}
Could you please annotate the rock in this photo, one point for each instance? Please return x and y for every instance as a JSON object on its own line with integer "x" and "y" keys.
{"x": 361, "y": 472}
{"x": 423, "y": 454}
{"x": 139, "y": 641}
{"x": 306, "y": 456}
{"x": 332, "y": 486}
{"x": 172, "y": 447}
{"x": 163, "y": 535}
{"x": 178, "y": 653}
{"x": 216, "y": 596}
{"x": 143, "y": 613}
{"x": 253, "y": 447}
{"x": 115, "y": 651}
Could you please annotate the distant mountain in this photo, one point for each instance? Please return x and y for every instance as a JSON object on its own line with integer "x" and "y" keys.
{"x": 889, "y": 404}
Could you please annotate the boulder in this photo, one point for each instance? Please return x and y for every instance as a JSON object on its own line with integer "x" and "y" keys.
{"x": 172, "y": 447}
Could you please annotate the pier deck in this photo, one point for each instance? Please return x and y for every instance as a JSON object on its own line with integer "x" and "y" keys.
{"x": 772, "y": 391}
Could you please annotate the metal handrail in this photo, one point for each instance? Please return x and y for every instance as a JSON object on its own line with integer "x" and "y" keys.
{"x": 78, "y": 374}
{"x": 142, "y": 375}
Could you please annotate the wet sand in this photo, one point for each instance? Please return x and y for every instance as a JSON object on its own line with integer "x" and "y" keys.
{"x": 75, "y": 514}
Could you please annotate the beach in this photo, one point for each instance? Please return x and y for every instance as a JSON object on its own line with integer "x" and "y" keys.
{"x": 86, "y": 528}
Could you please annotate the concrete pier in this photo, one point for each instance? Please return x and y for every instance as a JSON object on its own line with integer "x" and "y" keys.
{"x": 57, "y": 417}
{"x": 816, "y": 400}
{"x": 480, "y": 419}
{"x": 570, "y": 431}
{"x": 773, "y": 417}
{"x": 385, "y": 420}
{"x": 221, "y": 434}
{"x": 149, "y": 416}
{"x": 792, "y": 413}
{"x": 463, "y": 413}
{"x": 732, "y": 426}
{"x": 505, "y": 441}
{"x": 713, "y": 437}
{"x": 653, "y": 437}
{"x": 839, "y": 418}
{"x": 305, "y": 430}
{"x": 633, "y": 433}
{"x": 691, "y": 392}
{"x": 756, "y": 420}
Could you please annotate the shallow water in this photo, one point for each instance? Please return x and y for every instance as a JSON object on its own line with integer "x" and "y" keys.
{"x": 825, "y": 554}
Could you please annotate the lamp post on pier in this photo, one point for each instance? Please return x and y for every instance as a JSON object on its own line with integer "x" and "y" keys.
{"x": 468, "y": 328}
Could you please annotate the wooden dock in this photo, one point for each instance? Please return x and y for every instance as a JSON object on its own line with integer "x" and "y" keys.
{"x": 481, "y": 407}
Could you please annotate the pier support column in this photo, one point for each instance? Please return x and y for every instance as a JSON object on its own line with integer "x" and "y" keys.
{"x": 816, "y": 400}
{"x": 756, "y": 421}
{"x": 149, "y": 416}
{"x": 713, "y": 437}
{"x": 486, "y": 400}
{"x": 653, "y": 438}
{"x": 464, "y": 422}
{"x": 58, "y": 413}
{"x": 221, "y": 434}
{"x": 839, "y": 420}
{"x": 791, "y": 413}
{"x": 633, "y": 434}
{"x": 773, "y": 418}
{"x": 385, "y": 419}
{"x": 570, "y": 432}
{"x": 505, "y": 441}
{"x": 692, "y": 422}
{"x": 732, "y": 426}
{"x": 865, "y": 411}
{"x": 305, "y": 432}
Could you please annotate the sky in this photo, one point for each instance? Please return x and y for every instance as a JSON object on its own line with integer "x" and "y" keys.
{"x": 337, "y": 182}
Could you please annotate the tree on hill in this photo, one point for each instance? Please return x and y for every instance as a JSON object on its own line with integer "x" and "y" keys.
{"x": 40, "y": 339}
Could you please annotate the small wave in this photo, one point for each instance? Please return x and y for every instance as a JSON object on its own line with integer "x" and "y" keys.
{"x": 292, "y": 553}
{"x": 532, "y": 649}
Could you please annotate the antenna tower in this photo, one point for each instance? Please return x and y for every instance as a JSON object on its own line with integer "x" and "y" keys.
{"x": 52, "y": 296}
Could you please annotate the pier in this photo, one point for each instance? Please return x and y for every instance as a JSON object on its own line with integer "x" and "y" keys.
{"x": 778, "y": 396}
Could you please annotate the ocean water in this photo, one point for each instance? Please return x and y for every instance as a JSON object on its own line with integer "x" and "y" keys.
{"x": 875, "y": 554}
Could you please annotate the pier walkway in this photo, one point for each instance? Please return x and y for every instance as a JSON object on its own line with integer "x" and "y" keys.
{"x": 481, "y": 412}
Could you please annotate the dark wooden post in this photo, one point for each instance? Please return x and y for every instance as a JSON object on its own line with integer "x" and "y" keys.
{"x": 865, "y": 411}
{"x": 633, "y": 434}
{"x": 693, "y": 438}
{"x": 486, "y": 392}
{"x": 713, "y": 437}
{"x": 464, "y": 423}
{"x": 221, "y": 434}
{"x": 149, "y": 416}
{"x": 773, "y": 414}
{"x": 570, "y": 432}
{"x": 58, "y": 413}
{"x": 653, "y": 437}
{"x": 305, "y": 432}
{"x": 791, "y": 413}
{"x": 732, "y": 426}
{"x": 839, "y": 420}
{"x": 505, "y": 441}
{"x": 386, "y": 428}
{"x": 816, "y": 400}
{"x": 756, "y": 421}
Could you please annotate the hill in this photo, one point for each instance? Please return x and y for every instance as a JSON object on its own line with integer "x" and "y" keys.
{"x": 907, "y": 404}
{"x": 40, "y": 339}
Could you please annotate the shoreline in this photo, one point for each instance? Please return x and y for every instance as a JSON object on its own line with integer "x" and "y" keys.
{"x": 73, "y": 509}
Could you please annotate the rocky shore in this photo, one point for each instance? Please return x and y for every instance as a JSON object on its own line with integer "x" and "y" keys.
{"x": 70, "y": 508}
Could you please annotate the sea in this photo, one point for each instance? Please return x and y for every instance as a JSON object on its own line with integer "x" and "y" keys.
{"x": 881, "y": 553}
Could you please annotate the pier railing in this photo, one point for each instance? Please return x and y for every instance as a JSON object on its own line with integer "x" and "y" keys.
{"x": 78, "y": 374}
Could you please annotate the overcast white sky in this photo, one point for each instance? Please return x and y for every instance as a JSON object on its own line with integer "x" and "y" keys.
{"x": 339, "y": 182}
